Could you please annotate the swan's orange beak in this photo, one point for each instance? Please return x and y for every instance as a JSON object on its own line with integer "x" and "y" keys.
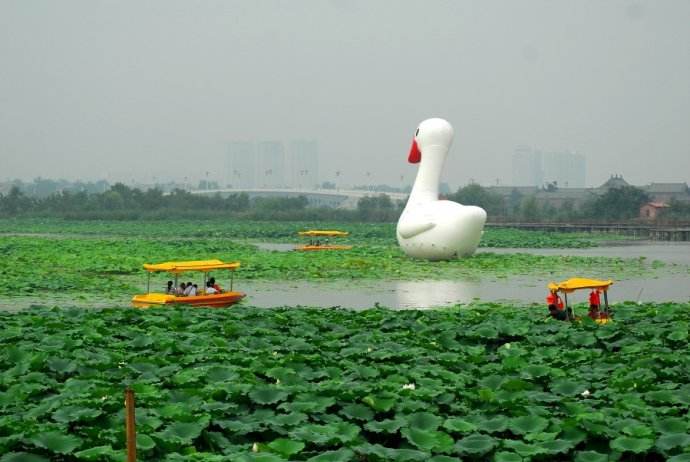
{"x": 415, "y": 154}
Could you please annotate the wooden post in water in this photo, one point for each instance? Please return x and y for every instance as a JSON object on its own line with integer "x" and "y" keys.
{"x": 130, "y": 426}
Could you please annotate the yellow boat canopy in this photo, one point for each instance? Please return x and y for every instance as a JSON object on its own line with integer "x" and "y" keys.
{"x": 323, "y": 233}
{"x": 580, "y": 283}
{"x": 197, "y": 265}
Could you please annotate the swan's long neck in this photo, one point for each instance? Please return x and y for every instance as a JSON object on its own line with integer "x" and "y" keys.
{"x": 429, "y": 174}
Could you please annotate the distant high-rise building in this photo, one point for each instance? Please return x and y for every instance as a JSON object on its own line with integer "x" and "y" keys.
{"x": 270, "y": 165}
{"x": 565, "y": 169}
{"x": 242, "y": 165}
{"x": 527, "y": 169}
{"x": 532, "y": 167}
{"x": 303, "y": 161}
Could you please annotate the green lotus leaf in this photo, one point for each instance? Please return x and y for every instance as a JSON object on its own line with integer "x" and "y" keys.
{"x": 286, "y": 447}
{"x": 678, "y": 335}
{"x": 56, "y": 442}
{"x": 61, "y": 365}
{"x": 441, "y": 458}
{"x": 590, "y": 456}
{"x": 685, "y": 457}
{"x": 341, "y": 455}
{"x": 567, "y": 387}
{"x": 75, "y": 413}
{"x": 628, "y": 444}
{"x": 220, "y": 374}
{"x": 386, "y": 426}
{"x": 459, "y": 425}
{"x": 475, "y": 444}
{"x": 424, "y": 421}
{"x": 98, "y": 453}
{"x": 181, "y": 432}
{"x": 257, "y": 457}
{"x": 22, "y": 457}
{"x": 291, "y": 419}
{"x": 495, "y": 424}
{"x": 671, "y": 425}
{"x": 266, "y": 394}
{"x": 428, "y": 440}
{"x": 357, "y": 412}
{"x": 506, "y": 456}
{"x": 527, "y": 424}
{"x": 145, "y": 442}
{"x": 407, "y": 455}
{"x": 673, "y": 440}
{"x": 380, "y": 402}
{"x": 556, "y": 446}
{"x": 524, "y": 449}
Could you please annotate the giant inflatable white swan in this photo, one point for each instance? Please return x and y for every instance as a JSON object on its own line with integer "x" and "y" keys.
{"x": 430, "y": 228}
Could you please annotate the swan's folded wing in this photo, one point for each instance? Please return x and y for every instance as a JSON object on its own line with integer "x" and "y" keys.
{"x": 410, "y": 229}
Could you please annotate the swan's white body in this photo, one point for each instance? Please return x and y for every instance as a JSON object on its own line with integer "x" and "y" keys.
{"x": 430, "y": 228}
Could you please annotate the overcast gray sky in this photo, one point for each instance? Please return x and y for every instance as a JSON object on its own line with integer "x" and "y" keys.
{"x": 137, "y": 89}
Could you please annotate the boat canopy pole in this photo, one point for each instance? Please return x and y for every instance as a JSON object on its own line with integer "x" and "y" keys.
{"x": 232, "y": 276}
{"x": 567, "y": 313}
{"x": 148, "y": 282}
{"x": 606, "y": 302}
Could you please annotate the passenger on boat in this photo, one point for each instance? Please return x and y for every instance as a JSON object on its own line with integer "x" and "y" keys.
{"x": 215, "y": 286}
{"x": 170, "y": 289}
{"x": 555, "y": 304}
{"x": 180, "y": 290}
{"x": 594, "y": 303}
{"x": 210, "y": 289}
{"x": 192, "y": 292}
{"x": 189, "y": 288}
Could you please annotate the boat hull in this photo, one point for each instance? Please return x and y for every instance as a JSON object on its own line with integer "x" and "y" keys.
{"x": 311, "y": 248}
{"x": 209, "y": 301}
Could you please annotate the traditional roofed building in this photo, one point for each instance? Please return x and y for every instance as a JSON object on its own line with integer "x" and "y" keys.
{"x": 664, "y": 192}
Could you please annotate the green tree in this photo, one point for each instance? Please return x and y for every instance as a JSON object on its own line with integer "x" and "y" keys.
{"x": 617, "y": 204}
{"x": 474, "y": 194}
{"x": 529, "y": 209}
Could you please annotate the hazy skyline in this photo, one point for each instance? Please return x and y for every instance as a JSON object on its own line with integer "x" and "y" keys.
{"x": 136, "y": 90}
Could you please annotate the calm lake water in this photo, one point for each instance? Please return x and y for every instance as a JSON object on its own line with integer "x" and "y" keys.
{"x": 671, "y": 283}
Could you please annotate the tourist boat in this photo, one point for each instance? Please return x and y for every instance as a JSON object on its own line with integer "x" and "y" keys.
{"x": 315, "y": 236}
{"x": 600, "y": 316}
{"x": 175, "y": 268}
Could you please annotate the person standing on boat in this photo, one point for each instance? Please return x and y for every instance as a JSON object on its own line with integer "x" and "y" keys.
{"x": 594, "y": 304}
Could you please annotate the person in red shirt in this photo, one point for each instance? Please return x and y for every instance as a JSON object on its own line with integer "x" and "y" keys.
{"x": 594, "y": 303}
{"x": 555, "y": 304}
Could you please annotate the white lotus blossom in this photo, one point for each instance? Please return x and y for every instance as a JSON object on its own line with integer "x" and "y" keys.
{"x": 507, "y": 345}
{"x": 409, "y": 386}
{"x": 255, "y": 447}
{"x": 585, "y": 393}
{"x": 103, "y": 398}
{"x": 277, "y": 381}
{"x": 369, "y": 350}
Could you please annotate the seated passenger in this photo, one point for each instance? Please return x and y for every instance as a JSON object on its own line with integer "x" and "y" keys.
{"x": 594, "y": 303}
{"x": 215, "y": 286}
{"x": 181, "y": 290}
{"x": 170, "y": 289}
{"x": 189, "y": 288}
{"x": 192, "y": 290}
{"x": 555, "y": 304}
{"x": 210, "y": 289}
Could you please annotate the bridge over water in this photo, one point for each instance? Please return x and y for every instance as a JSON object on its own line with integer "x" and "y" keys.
{"x": 336, "y": 198}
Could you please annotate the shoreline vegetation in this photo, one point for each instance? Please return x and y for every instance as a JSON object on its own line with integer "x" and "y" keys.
{"x": 494, "y": 382}
{"x": 120, "y": 202}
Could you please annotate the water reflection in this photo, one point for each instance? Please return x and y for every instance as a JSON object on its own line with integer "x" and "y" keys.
{"x": 424, "y": 294}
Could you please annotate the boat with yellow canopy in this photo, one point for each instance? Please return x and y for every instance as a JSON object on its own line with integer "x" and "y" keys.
{"x": 601, "y": 314}
{"x": 315, "y": 236}
{"x": 215, "y": 300}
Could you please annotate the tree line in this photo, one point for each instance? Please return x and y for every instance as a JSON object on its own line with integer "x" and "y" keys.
{"x": 121, "y": 202}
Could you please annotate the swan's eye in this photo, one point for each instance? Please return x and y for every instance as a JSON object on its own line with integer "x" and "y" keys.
{"x": 417, "y": 132}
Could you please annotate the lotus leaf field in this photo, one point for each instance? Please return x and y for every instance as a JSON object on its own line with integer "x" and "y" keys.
{"x": 106, "y": 258}
{"x": 491, "y": 383}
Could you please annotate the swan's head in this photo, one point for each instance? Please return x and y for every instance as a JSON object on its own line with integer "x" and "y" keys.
{"x": 431, "y": 132}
